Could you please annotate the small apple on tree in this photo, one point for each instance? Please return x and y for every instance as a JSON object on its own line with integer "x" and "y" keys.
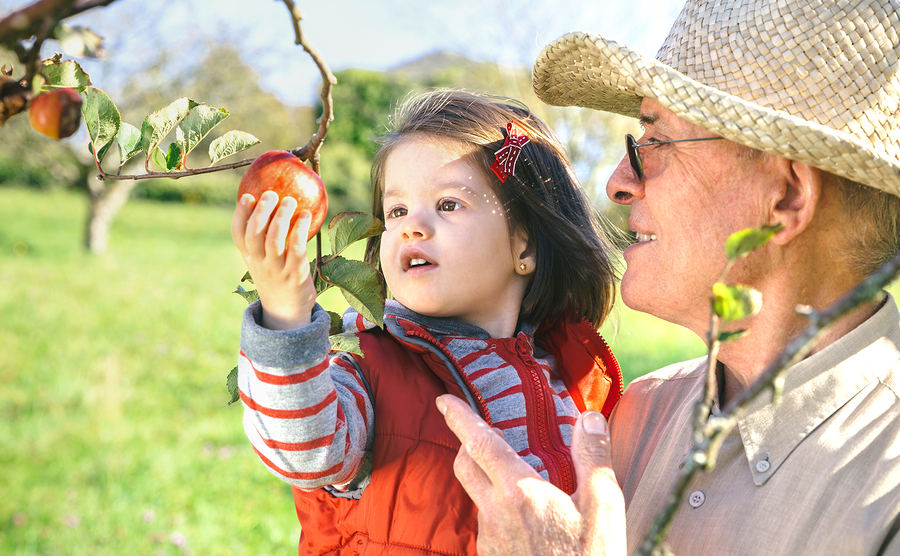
{"x": 287, "y": 175}
{"x": 56, "y": 113}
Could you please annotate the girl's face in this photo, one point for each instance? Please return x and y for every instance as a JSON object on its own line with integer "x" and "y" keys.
{"x": 446, "y": 250}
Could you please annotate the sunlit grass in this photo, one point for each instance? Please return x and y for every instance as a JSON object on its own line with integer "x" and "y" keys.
{"x": 117, "y": 438}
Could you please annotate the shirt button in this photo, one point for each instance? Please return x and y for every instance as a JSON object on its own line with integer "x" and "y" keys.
{"x": 762, "y": 466}
{"x": 697, "y": 498}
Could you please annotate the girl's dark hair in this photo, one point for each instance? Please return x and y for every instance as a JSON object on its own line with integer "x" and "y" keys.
{"x": 574, "y": 257}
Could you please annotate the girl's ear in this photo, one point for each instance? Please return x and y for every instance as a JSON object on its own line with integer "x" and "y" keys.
{"x": 798, "y": 200}
{"x": 523, "y": 253}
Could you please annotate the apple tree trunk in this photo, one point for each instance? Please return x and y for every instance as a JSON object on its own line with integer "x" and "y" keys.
{"x": 105, "y": 202}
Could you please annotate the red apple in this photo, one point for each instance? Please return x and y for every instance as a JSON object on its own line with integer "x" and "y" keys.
{"x": 285, "y": 174}
{"x": 56, "y": 114}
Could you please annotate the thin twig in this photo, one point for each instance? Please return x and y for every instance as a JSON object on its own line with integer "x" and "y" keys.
{"x": 25, "y": 23}
{"x": 175, "y": 175}
{"x": 311, "y": 149}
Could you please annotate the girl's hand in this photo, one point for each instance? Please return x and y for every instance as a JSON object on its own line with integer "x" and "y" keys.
{"x": 276, "y": 259}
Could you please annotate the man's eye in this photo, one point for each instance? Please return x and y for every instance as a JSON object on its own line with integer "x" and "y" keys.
{"x": 447, "y": 205}
{"x": 396, "y": 212}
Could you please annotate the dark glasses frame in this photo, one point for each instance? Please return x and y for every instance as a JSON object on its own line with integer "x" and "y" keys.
{"x": 631, "y": 146}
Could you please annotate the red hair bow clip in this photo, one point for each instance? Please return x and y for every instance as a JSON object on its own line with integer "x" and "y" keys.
{"x": 505, "y": 159}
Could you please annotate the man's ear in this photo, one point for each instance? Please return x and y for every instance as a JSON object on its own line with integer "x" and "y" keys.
{"x": 799, "y": 199}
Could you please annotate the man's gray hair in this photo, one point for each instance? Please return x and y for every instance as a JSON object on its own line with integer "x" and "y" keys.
{"x": 873, "y": 236}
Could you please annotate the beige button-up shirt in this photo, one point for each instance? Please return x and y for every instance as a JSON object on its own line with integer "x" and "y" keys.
{"x": 818, "y": 473}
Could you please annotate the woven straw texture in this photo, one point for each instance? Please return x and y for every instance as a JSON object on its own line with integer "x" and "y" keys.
{"x": 812, "y": 80}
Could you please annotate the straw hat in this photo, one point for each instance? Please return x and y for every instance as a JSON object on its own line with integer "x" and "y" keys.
{"x": 812, "y": 80}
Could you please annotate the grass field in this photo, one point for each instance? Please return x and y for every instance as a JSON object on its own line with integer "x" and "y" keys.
{"x": 116, "y": 438}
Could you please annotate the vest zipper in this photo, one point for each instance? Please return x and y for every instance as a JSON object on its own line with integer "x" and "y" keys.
{"x": 482, "y": 406}
{"x": 555, "y": 456}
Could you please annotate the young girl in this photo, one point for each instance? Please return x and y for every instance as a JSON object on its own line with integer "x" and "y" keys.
{"x": 499, "y": 276}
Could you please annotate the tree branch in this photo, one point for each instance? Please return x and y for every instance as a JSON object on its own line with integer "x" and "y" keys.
{"x": 27, "y": 22}
{"x": 174, "y": 175}
{"x": 310, "y": 151}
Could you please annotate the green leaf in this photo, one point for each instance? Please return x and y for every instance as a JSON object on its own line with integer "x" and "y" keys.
{"x": 174, "y": 158}
{"x": 158, "y": 158}
{"x": 731, "y": 303}
{"x": 348, "y": 227}
{"x": 740, "y": 243}
{"x": 249, "y": 296}
{"x": 229, "y": 144}
{"x": 102, "y": 119}
{"x": 61, "y": 75}
{"x": 158, "y": 124}
{"x": 247, "y": 278}
{"x": 337, "y": 323}
{"x": 363, "y": 286}
{"x": 320, "y": 285}
{"x": 729, "y": 336}
{"x": 79, "y": 41}
{"x": 232, "y": 385}
{"x": 128, "y": 141}
{"x": 197, "y": 124}
{"x": 346, "y": 341}
{"x": 169, "y": 160}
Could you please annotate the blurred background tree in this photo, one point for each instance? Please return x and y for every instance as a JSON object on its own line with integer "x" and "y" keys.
{"x": 216, "y": 71}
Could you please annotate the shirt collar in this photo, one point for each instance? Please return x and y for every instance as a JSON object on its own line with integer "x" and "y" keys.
{"x": 817, "y": 387}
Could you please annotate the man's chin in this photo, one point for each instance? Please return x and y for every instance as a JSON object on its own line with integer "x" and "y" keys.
{"x": 644, "y": 298}
{"x": 633, "y": 295}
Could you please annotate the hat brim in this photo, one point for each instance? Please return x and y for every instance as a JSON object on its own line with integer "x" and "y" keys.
{"x": 590, "y": 71}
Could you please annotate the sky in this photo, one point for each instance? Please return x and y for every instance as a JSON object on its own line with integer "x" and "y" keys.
{"x": 367, "y": 34}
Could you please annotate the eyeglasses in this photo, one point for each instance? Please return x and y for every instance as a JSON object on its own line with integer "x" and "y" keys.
{"x": 635, "y": 158}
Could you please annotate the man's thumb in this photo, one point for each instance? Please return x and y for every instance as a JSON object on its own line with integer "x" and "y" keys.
{"x": 590, "y": 444}
{"x": 598, "y": 495}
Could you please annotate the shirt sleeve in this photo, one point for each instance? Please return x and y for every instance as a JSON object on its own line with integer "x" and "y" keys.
{"x": 306, "y": 411}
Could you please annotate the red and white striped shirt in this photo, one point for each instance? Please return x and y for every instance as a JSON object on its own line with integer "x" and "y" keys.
{"x": 309, "y": 417}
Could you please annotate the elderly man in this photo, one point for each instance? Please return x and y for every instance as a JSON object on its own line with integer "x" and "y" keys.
{"x": 754, "y": 112}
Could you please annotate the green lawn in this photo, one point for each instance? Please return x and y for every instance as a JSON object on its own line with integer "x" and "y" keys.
{"x": 116, "y": 437}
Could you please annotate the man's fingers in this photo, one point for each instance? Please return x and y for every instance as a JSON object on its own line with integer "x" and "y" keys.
{"x": 468, "y": 427}
{"x": 598, "y": 497}
{"x": 483, "y": 445}
{"x": 472, "y": 478}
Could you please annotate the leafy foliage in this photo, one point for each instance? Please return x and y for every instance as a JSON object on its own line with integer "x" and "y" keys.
{"x": 191, "y": 121}
{"x": 360, "y": 283}
{"x": 350, "y": 227}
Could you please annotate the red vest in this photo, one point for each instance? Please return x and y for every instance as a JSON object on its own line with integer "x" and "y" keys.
{"x": 413, "y": 503}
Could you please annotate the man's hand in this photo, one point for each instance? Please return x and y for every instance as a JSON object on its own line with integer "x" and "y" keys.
{"x": 519, "y": 513}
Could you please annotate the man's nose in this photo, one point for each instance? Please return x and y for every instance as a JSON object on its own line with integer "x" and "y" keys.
{"x": 623, "y": 186}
